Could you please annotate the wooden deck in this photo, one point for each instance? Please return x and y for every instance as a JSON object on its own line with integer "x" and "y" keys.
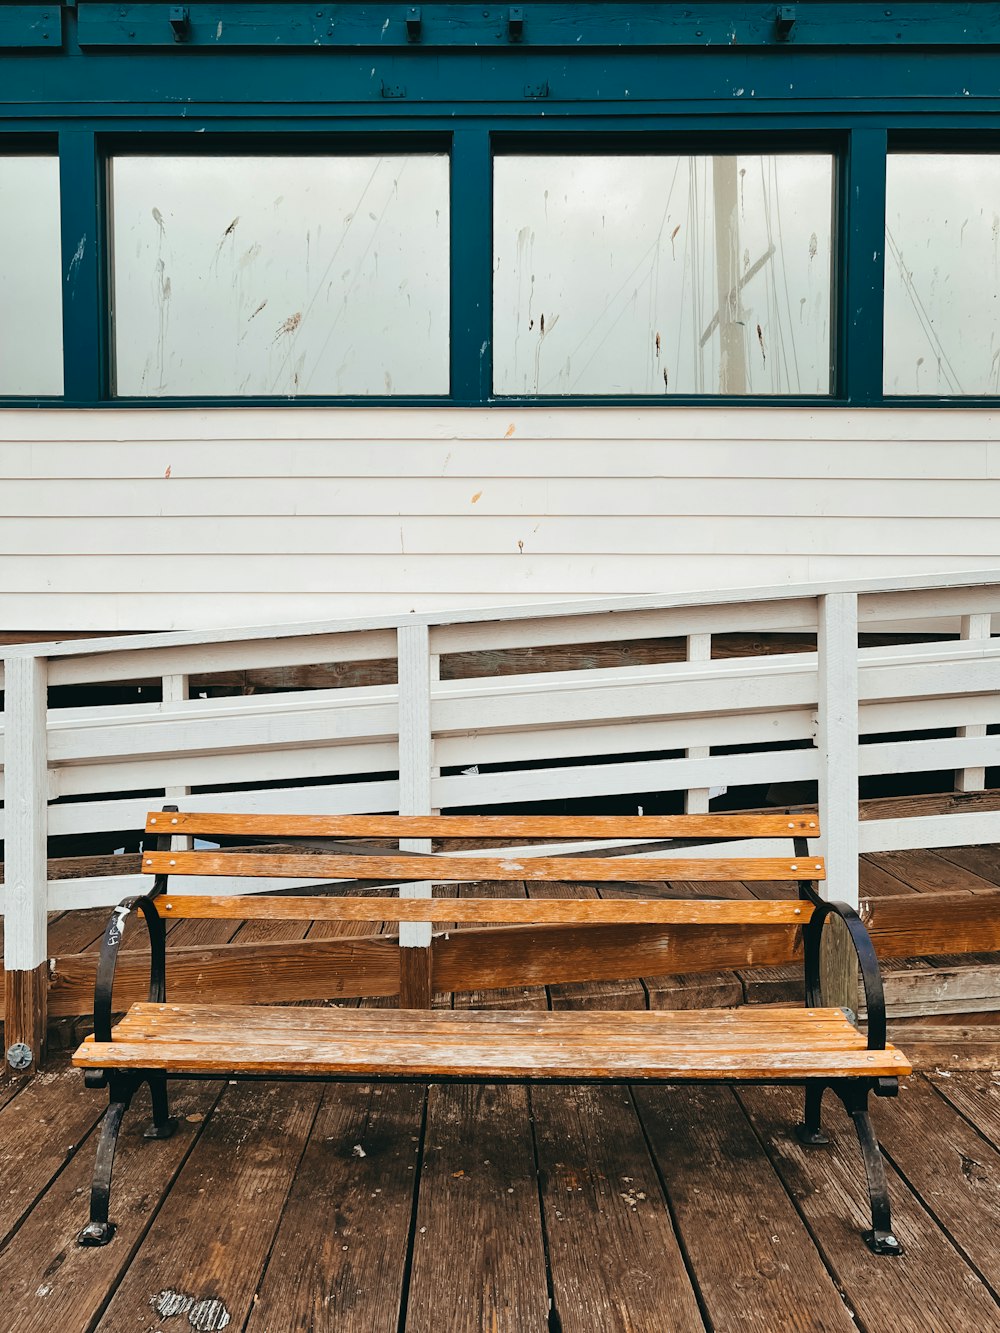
{"x": 375, "y": 1209}
{"x": 450, "y": 1209}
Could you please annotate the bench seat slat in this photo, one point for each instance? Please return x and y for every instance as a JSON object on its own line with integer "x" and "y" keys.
{"x": 220, "y": 1021}
{"x": 480, "y": 826}
{"x": 420, "y": 1043}
{"x": 537, "y": 911}
{"x": 470, "y": 870}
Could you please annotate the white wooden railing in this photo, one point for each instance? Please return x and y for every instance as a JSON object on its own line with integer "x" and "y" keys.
{"x": 430, "y": 743}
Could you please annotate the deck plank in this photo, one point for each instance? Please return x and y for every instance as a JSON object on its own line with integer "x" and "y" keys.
{"x": 339, "y": 1257}
{"x": 478, "y": 1256}
{"x": 601, "y": 1196}
{"x": 930, "y": 1286}
{"x": 750, "y": 1255}
{"x": 47, "y": 1281}
{"x": 955, "y": 1171}
{"x": 207, "y": 1248}
{"x": 40, "y": 1129}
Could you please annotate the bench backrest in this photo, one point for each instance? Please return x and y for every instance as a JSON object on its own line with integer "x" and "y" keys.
{"x": 349, "y": 862}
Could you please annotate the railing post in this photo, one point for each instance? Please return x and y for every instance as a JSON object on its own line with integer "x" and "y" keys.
{"x": 837, "y": 739}
{"x": 175, "y": 689}
{"x": 699, "y": 649}
{"x": 415, "y": 760}
{"x": 979, "y": 627}
{"x": 837, "y": 651}
{"x": 26, "y": 865}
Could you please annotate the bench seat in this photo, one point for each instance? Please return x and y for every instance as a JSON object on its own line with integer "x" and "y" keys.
{"x": 768, "y": 1044}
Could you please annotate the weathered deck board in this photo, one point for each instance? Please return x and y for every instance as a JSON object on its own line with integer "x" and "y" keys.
{"x": 955, "y": 1171}
{"x": 47, "y": 1282}
{"x": 339, "y": 1257}
{"x": 930, "y": 1286}
{"x": 40, "y": 1129}
{"x": 478, "y": 1258}
{"x": 208, "y": 1244}
{"x": 601, "y": 1197}
{"x": 751, "y": 1257}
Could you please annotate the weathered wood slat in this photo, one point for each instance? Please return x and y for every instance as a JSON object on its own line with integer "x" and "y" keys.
{"x": 221, "y": 1190}
{"x": 748, "y": 1251}
{"x": 441, "y": 1043}
{"x": 339, "y": 1256}
{"x": 791, "y": 1026}
{"x": 478, "y": 1162}
{"x": 601, "y": 1197}
{"x": 467, "y": 870}
{"x": 46, "y": 1282}
{"x": 671, "y": 911}
{"x": 929, "y": 1287}
{"x": 478, "y": 826}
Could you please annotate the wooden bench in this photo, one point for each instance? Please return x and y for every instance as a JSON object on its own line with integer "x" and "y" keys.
{"x": 815, "y": 1046}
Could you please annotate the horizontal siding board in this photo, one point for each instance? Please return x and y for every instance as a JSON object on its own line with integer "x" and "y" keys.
{"x": 528, "y": 536}
{"x": 535, "y": 454}
{"x": 465, "y": 573}
{"x": 653, "y": 494}
{"x": 703, "y": 423}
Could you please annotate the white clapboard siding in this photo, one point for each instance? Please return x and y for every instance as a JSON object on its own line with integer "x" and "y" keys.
{"x": 163, "y": 518}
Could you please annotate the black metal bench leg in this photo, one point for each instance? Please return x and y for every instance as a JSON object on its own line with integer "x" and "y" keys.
{"x": 163, "y": 1124}
{"x": 881, "y": 1239}
{"x": 99, "y": 1230}
{"x": 810, "y": 1131}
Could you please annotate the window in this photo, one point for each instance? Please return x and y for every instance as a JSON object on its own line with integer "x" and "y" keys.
{"x": 663, "y": 275}
{"x": 30, "y": 276}
{"x": 283, "y": 276}
{"x": 942, "y": 274}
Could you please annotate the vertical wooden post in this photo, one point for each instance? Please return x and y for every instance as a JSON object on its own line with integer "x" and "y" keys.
{"x": 979, "y": 627}
{"x": 699, "y": 649}
{"x": 175, "y": 688}
{"x": 837, "y": 671}
{"x": 26, "y": 866}
{"x": 415, "y": 760}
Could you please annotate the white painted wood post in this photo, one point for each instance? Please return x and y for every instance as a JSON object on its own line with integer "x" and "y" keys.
{"x": 175, "y": 688}
{"x": 26, "y": 864}
{"x": 975, "y": 627}
{"x": 415, "y": 759}
{"x": 699, "y": 649}
{"x": 837, "y": 740}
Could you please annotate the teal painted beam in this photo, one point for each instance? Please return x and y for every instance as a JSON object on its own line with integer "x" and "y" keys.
{"x": 472, "y": 265}
{"x": 84, "y": 310}
{"x": 551, "y": 26}
{"x": 30, "y": 27}
{"x": 862, "y": 288}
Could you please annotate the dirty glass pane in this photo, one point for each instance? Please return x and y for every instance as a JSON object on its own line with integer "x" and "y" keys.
{"x": 280, "y": 275}
{"x": 942, "y": 274}
{"x": 30, "y": 276}
{"x": 663, "y": 275}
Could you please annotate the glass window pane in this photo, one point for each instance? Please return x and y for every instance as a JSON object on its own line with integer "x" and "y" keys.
{"x": 280, "y": 275}
{"x": 942, "y": 274}
{"x": 662, "y": 275}
{"x": 30, "y": 277}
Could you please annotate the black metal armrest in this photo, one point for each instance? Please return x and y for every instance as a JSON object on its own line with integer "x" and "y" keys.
{"x": 110, "y": 945}
{"x": 871, "y": 974}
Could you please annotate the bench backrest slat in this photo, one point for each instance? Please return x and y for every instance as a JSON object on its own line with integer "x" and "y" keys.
{"x": 279, "y": 827}
{"x": 523, "y": 911}
{"x": 470, "y": 869}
